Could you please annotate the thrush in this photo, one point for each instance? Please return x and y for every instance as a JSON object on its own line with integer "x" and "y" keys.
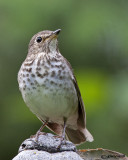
{"x": 50, "y": 90}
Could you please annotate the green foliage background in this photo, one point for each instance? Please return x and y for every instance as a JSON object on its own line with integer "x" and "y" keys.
{"x": 94, "y": 39}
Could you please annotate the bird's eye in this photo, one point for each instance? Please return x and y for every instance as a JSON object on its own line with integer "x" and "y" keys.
{"x": 39, "y": 39}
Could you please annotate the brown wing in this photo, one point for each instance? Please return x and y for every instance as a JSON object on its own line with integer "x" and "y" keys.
{"x": 81, "y": 110}
{"x": 81, "y": 134}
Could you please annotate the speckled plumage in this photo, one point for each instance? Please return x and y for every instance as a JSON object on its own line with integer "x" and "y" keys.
{"x": 50, "y": 90}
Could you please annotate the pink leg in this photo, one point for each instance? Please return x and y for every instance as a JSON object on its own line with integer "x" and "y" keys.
{"x": 39, "y": 131}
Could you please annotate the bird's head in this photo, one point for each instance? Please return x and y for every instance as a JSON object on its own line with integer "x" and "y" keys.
{"x": 44, "y": 41}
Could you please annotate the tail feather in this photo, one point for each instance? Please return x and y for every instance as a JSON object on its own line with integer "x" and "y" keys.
{"x": 79, "y": 136}
{"x": 76, "y": 136}
{"x": 89, "y": 137}
{"x": 57, "y": 128}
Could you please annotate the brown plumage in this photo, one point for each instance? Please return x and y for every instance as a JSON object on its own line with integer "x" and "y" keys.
{"x": 50, "y": 90}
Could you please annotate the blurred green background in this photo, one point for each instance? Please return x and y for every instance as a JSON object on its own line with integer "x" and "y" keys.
{"x": 94, "y": 39}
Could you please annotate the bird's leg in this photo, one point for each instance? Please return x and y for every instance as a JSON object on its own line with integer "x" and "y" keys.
{"x": 39, "y": 131}
{"x": 63, "y": 133}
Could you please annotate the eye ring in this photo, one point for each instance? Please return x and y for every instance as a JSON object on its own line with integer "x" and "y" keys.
{"x": 39, "y": 39}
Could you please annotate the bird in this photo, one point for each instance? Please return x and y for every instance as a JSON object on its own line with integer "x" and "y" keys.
{"x": 50, "y": 90}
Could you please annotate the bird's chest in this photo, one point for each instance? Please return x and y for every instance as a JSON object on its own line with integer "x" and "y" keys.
{"x": 45, "y": 77}
{"x": 48, "y": 90}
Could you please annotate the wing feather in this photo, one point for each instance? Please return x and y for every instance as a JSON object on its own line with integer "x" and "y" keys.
{"x": 81, "y": 109}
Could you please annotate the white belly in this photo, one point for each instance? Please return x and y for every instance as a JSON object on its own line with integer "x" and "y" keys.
{"x": 53, "y": 103}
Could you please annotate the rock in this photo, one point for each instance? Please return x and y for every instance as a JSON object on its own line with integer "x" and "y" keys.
{"x": 48, "y": 148}
{"x": 43, "y": 155}
{"x": 47, "y": 142}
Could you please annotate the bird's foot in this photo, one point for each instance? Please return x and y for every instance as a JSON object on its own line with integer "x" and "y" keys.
{"x": 62, "y": 141}
{"x": 57, "y": 136}
{"x": 39, "y": 131}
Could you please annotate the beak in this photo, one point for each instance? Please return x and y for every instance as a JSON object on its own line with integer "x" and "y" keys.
{"x": 56, "y": 32}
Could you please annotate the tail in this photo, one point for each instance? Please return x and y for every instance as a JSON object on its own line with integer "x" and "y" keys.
{"x": 76, "y": 136}
{"x": 79, "y": 136}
